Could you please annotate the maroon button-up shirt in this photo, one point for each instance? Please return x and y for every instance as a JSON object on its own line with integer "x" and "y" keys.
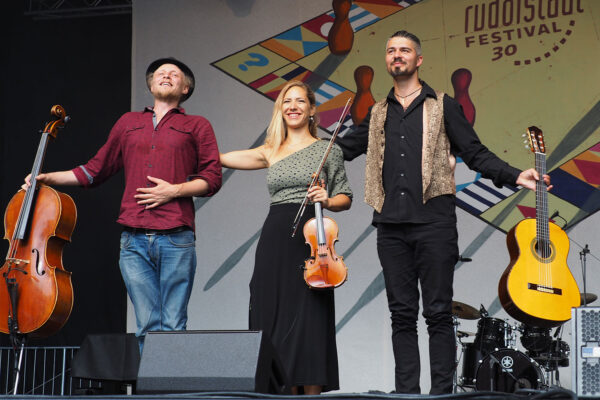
{"x": 181, "y": 148}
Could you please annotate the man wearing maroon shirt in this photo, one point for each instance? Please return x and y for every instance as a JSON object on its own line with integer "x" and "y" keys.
{"x": 167, "y": 157}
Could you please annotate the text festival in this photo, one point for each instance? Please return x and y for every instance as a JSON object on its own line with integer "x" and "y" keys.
{"x": 511, "y": 20}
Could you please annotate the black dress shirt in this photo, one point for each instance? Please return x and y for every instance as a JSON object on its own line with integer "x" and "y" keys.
{"x": 402, "y": 179}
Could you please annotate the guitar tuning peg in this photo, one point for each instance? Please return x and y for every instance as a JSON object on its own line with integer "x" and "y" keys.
{"x": 525, "y": 141}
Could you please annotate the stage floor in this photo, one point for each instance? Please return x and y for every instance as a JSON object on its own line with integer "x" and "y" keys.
{"x": 555, "y": 394}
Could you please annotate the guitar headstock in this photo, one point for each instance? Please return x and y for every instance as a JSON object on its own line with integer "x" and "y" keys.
{"x": 535, "y": 136}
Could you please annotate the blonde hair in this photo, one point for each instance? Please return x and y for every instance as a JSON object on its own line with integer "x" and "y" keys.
{"x": 277, "y": 130}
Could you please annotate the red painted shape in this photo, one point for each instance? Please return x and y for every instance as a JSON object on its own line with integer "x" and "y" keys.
{"x": 528, "y": 212}
{"x": 363, "y": 76}
{"x": 341, "y": 35}
{"x": 590, "y": 171}
{"x": 461, "y": 79}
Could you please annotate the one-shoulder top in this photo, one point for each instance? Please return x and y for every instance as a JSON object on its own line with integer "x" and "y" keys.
{"x": 288, "y": 178}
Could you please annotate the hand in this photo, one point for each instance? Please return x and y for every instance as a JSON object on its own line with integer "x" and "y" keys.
{"x": 529, "y": 177}
{"x": 319, "y": 194}
{"x": 42, "y": 178}
{"x": 162, "y": 193}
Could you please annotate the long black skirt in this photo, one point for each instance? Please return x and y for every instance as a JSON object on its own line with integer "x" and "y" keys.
{"x": 300, "y": 321}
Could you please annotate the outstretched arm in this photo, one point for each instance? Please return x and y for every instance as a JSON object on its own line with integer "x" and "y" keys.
{"x": 59, "y": 178}
{"x": 246, "y": 159}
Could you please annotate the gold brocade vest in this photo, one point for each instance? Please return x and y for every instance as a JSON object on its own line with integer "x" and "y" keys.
{"x": 437, "y": 163}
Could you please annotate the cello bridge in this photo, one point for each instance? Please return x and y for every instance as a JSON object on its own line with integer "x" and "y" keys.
{"x": 17, "y": 261}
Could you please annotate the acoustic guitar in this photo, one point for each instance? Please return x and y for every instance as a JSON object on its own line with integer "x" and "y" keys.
{"x": 537, "y": 288}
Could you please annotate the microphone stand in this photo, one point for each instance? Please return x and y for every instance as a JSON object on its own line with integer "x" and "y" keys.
{"x": 582, "y": 258}
{"x": 493, "y": 361}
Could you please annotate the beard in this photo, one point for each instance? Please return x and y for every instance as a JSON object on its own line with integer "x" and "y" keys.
{"x": 397, "y": 71}
{"x": 166, "y": 95}
{"x": 401, "y": 70}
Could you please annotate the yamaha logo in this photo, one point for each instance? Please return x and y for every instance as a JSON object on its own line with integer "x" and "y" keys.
{"x": 507, "y": 362}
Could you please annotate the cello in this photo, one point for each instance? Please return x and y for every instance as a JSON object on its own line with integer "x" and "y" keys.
{"x": 324, "y": 269}
{"x": 36, "y": 293}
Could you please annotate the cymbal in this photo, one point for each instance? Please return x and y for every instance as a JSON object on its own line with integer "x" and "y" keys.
{"x": 465, "y": 311}
{"x": 462, "y": 334}
{"x": 589, "y": 298}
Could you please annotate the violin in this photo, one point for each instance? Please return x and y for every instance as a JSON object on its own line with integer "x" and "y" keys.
{"x": 36, "y": 293}
{"x": 324, "y": 268}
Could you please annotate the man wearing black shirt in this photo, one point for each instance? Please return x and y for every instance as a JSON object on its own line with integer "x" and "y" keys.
{"x": 417, "y": 131}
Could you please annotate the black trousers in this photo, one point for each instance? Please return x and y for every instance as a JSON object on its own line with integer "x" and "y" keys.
{"x": 425, "y": 253}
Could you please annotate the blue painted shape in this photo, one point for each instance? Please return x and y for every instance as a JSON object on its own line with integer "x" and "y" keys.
{"x": 292, "y": 34}
{"x": 294, "y": 73}
{"x": 311, "y": 47}
{"x": 477, "y": 197}
{"x": 572, "y": 189}
{"x": 491, "y": 189}
{"x": 257, "y": 59}
{"x": 467, "y": 207}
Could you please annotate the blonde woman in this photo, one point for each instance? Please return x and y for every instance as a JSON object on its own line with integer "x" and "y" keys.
{"x": 299, "y": 321}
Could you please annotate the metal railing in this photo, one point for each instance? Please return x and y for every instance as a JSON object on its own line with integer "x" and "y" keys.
{"x": 44, "y": 370}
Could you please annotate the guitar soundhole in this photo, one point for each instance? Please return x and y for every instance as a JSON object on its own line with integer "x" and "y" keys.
{"x": 543, "y": 252}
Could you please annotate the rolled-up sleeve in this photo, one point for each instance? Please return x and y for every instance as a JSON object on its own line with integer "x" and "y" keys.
{"x": 107, "y": 161}
{"x": 209, "y": 165}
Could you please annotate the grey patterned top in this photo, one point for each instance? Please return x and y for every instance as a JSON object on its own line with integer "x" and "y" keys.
{"x": 288, "y": 179}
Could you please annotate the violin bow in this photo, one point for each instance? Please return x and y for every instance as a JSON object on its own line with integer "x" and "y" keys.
{"x": 315, "y": 176}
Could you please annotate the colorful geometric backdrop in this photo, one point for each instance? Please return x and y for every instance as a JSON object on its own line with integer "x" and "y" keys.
{"x": 302, "y": 53}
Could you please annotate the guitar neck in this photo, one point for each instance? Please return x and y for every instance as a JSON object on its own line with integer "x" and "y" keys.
{"x": 541, "y": 203}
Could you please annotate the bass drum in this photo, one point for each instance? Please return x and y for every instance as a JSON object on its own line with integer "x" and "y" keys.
{"x": 507, "y": 371}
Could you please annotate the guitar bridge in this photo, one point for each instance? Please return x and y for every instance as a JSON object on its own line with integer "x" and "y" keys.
{"x": 544, "y": 289}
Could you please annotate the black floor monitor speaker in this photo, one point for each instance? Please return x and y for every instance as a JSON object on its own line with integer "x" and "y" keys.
{"x": 201, "y": 361}
{"x": 110, "y": 359}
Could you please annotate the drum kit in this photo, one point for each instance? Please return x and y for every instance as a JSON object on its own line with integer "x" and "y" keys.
{"x": 492, "y": 361}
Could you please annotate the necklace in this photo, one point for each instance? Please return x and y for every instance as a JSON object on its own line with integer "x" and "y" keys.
{"x": 408, "y": 95}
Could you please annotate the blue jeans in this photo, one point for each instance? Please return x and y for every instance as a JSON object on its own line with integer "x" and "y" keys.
{"x": 158, "y": 271}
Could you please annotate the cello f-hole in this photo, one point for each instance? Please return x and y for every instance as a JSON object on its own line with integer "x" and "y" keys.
{"x": 38, "y": 268}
